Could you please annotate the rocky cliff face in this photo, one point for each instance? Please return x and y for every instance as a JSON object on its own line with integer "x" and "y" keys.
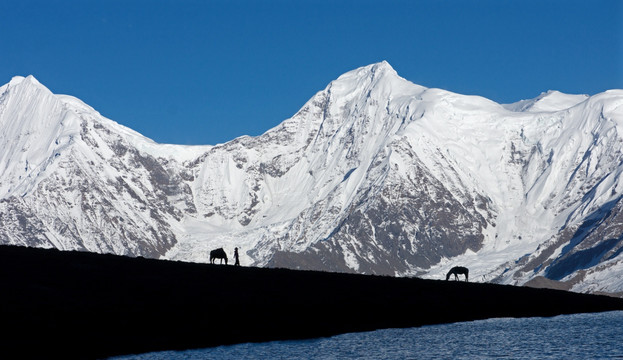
{"x": 374, "y": 175}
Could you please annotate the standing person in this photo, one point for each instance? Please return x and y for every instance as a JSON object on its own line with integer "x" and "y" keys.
{"x": 236, "y": 257}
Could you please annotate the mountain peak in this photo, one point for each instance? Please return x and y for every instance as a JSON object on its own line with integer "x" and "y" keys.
{"x": 551, "y": 100}
{"x": 382, "y": 66}
{"x": 378, "y": 78}
{"x": 376, "y": 70}
{"x": 17, "y": 80}
{"x": 25, "y": 88}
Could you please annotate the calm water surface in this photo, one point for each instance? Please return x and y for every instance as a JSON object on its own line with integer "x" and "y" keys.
{"x": 581, "y": 336}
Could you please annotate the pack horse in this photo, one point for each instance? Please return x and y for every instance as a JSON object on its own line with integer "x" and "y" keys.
{"x": 456, "y": 271}
{"x": 218, "y": 254}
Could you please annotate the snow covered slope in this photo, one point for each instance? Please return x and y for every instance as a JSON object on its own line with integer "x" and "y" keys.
{"x": 374, "y": 175}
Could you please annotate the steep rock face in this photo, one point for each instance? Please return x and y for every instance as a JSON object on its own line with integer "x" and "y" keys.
{"x": 374, "y": 175}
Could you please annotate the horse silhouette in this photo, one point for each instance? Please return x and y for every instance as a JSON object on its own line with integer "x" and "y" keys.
{"x": 218, "y": 254}
{"x": 456, "y": 271}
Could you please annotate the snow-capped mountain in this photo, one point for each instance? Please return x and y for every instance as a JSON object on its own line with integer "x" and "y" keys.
{"x": 374, "y": 175}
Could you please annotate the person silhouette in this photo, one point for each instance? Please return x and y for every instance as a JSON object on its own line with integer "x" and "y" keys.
{"x": 237, "y": 260}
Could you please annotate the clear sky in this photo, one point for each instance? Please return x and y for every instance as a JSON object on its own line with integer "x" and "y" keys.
{"x": 205, "y": 72}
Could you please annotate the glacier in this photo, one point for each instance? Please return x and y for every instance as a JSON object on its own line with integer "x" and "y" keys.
{"x": 374, "y": 174}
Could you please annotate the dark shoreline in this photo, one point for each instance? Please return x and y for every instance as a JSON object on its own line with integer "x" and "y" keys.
{"x": 85, "y": 305}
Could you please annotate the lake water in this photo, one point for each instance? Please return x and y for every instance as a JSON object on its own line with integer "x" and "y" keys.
{"x": 581, "y": 336}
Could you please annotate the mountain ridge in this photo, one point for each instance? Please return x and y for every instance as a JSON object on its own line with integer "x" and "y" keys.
{"x": 374, "y": 174}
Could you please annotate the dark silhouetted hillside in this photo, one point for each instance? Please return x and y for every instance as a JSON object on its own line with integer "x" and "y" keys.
{"x": 85, "y": 305}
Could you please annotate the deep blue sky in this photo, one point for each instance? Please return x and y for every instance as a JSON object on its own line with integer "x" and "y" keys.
{"x": 205, "y": 72}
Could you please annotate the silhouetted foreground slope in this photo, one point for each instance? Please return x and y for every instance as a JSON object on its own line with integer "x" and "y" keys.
{"x": 85, "y": 305}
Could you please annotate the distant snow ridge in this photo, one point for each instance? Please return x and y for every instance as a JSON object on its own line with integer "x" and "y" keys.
{"x": 373, "y": 175}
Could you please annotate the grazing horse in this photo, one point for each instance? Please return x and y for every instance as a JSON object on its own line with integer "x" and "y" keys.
{"x": 456, "y": 271}
{"x": 218, "y": 254}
